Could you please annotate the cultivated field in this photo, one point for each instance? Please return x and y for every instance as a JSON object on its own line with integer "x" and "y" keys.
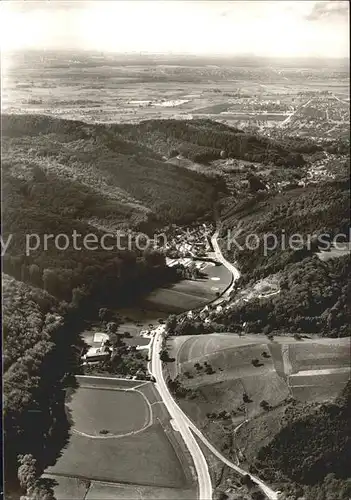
{"x": 320, "y": 384}
{"x": 308, "y": 370}
{"x": 217, "y": 397}
{"x": 190, "y": 347}
{"x": 315, "y": 355}
{"x": 146, "y": 458}
{"x": 189, "y": 294}
{"x": 133, "y": 411}
{"x": 137, "y": 445}
{"x": 104, "y": 491}
{"x": 135, "y": 90}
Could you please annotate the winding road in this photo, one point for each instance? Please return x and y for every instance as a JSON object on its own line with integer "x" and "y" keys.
{"x": 180, "y": 420}
{"x": 220, "y": 258}
{"x": 182, "y": 423}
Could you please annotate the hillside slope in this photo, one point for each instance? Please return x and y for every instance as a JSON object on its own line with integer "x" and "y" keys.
{"x": 62, "y": 176}
{"x": 128, "y": 183}
{"x": 203, "y": 140}
{"x": 39, "y": 338}
{"x": 310, "y": 453}
{"x": 313, "y": 298}
{"x": 317, "y": 209}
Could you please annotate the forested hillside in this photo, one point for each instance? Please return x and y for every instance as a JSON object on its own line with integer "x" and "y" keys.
{"x": 61, "y": 176}
{"x": 44, "y": 204}
{"x": 310, "y": 456}
{"x": 313, "y": 298}
{"x": 128, "y": 184}
{"x": 39, "y": 349}
{"x": 315, "y": 210}
{"x": 203, "y": 140}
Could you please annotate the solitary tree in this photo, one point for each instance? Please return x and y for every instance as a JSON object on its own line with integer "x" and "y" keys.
{"x": 264, "y": 404}
{"x": 246, "y": 398}
{"x": 27, "y": 471}
{"x": 102, "y": 314}
{"x": 247, "y": 481}
{"x": 171, "y": 322}
{"x": 112, "y": 327}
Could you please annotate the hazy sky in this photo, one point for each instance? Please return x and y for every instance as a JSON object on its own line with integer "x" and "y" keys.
{"x": 268, "y": 28}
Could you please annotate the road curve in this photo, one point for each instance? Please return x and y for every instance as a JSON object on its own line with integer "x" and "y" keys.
{"x": 185, "y": 426}
{"x": 219, "y": 256}
{"x": 203, "y": 475}
{"x": 271, "y": 494}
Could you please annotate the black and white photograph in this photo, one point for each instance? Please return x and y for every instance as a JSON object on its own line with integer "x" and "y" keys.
{"x": 175, "y": 249}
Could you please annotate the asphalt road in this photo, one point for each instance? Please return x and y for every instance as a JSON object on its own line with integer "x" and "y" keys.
{"x": 180, "y": 419}
{"x": 182, "y": 423}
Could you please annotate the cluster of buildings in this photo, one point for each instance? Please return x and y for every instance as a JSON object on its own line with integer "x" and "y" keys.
{"x": 256, "y": 103}
{"x": 184, "y": 242}
{"x": 99, "y": 351}
{"x": 325, "y": 115}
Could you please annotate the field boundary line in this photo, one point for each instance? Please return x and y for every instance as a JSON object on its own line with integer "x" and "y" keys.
{"x": 148, "y": 404}
{"x": 188, "y": 294}
{"x": 178, "y": 363}
{"x": 112, "y": 436}
{"x": 110, "y": 378}
{"x": 121, "y": 389}
{"x": 112, "y": 483}
{"x": 140, "y": 385}
{"x": 219, "y": 350}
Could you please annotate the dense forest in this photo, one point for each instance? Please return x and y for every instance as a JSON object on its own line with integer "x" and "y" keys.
{"x": 313, "y": 298}
{"x": 310, "y": 456}
{"x": 51, "y": 206}
{"x": 61, "y": 175}
{"x": 321, "y": 209}
{"x": 40, "y": 356}
{"x": 129, "y": 184}
{"x": 203, "y": 140}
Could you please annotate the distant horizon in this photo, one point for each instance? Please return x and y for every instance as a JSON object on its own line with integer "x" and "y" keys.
{"x": 264, "y": 28}
{"x": 174, "y": 54}
{"x": 171, "y": 53}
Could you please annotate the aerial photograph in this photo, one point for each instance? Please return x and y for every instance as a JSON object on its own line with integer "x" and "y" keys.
{"x": 175, "y": 250}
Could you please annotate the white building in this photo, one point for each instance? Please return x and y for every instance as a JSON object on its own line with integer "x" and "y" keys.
{"x": 96, "y": 354}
